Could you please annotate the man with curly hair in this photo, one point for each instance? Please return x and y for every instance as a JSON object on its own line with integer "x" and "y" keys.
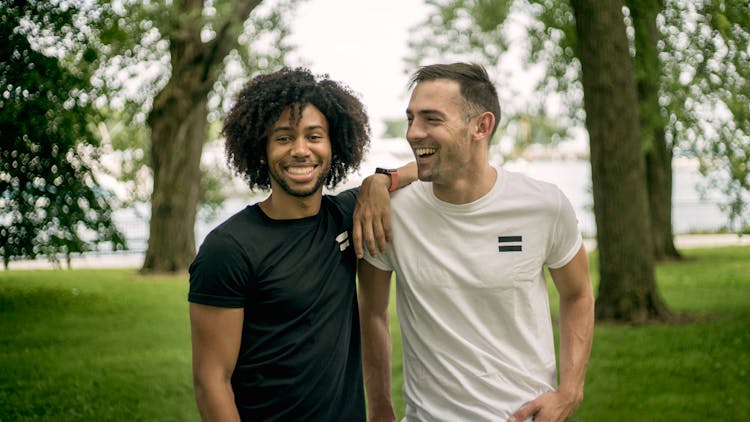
{"x": 273, "y": 305}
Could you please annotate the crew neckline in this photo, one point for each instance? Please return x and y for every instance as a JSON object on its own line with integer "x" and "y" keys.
{"x": 478, "y": 203}
{"x": 287, "y": 222}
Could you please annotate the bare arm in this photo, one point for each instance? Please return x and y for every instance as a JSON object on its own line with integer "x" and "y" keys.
{"x": 374, "y": 296}
{"x": 372, "y": 215}
{"x": 576, "y": 334}
{"x": 216, "y": 334}
{"x": 576, "y": 323}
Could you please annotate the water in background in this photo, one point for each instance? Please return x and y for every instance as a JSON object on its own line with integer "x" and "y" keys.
{"x": 573, "y": 177}
{"x": 690, "y": 213}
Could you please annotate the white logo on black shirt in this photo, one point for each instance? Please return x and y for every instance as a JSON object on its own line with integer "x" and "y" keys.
{"x": 343, "y": 240}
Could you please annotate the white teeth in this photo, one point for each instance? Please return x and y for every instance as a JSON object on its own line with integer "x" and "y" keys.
{"x": 300, "y": 170}
{"x": 424, "y": 151}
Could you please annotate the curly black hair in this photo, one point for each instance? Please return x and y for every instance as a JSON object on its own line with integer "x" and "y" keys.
{"x": 261, "y": 102}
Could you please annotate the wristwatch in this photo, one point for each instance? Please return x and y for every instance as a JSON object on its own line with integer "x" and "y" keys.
{"x": 391, "y": 172}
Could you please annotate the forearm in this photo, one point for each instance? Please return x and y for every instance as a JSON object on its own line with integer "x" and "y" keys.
{"x": 215, "y": 401}
{"x": 403, "y": 176}
{"x": 576, "y": 334}
{"x": 372, "y": 225}
{"x": 376, "y": 365}
{"x": 406, "y": 175}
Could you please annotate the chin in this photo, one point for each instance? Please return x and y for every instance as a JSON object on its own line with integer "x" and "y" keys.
{"x": 303, "y": 194}
{"x": 424, "y": 176}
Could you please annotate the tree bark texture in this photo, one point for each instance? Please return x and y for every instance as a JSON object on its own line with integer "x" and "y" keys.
{"x": 627, "y": 287}
{"x": 657, "y": 151}
{"x": 178, "y": 132}
{"x": 179, "y": 129}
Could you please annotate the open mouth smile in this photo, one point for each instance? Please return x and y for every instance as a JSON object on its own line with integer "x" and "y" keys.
{"x": 424, "y": 152}
{"x": 300, "y": 171}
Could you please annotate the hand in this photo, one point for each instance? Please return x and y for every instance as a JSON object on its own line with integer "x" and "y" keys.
{"x": 553, "y": 406}
{"x": 372, "y": 215}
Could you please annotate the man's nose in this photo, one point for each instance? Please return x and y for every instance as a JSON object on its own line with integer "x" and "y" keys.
{"x": 415, "y": 131}
{"x": 300, "y": 147}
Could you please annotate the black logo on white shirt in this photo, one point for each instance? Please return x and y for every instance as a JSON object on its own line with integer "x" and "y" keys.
{"x": 510, "y": 243}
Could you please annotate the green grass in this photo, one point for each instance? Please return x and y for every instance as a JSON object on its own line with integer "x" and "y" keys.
{"x": 683, "y": 372}
{"x": 680, "y": 372}
{"x": 94, "y": 345}
{"x": 112, "y": 345}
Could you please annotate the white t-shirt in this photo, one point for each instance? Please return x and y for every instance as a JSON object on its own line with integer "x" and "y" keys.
{"x": 471, "y": 295}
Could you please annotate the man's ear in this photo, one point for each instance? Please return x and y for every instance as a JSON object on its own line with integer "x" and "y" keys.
{"x": 485, "y": 123}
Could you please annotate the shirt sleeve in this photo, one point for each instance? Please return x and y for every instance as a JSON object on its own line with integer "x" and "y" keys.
{"x": 382, "y": 261}
{"x": 566, "y": 237}
{"x": 347, "y": 200}
{"x": 220, "y": 273}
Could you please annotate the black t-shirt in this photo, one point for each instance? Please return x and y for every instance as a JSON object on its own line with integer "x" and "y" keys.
{"x": 300, "y": 353}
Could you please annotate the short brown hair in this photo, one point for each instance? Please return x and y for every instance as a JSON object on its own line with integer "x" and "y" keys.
{"x": 476, "y": 88}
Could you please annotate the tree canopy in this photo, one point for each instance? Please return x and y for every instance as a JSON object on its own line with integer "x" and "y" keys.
{"x": 703, "y": 82}
{"x": 152, "y": 79}
{"x": 199, "y": 42}
{"x": 135, "y": 65}
{"x": 50, "y": 198}
{"x": 560, "y": 34}
{"x": 705, "y": 93}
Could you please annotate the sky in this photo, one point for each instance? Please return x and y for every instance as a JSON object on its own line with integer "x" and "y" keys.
{"x": 362, "y": 44}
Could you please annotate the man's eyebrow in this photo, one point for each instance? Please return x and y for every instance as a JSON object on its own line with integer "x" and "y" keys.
{"x": 425, "y": 112}
{"x": 290, "y": 129}
{"x": 281, "y": 129}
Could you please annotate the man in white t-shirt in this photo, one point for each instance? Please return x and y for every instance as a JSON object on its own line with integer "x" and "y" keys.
{"x": 469, "y": 246}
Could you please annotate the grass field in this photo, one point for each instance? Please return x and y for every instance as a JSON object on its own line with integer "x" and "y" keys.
{"x": 110, "y": 345}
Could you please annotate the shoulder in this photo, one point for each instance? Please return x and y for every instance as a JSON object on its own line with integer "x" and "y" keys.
{"x": 250, "y": 215}
{"x": 529, "y": 184}
{"x": 415, "y": 191}
{"x": 341, "y": 205}
{"x": 343, "y": 199}
{"x": 521, "y": 186}
{"x": 230, "y": 235}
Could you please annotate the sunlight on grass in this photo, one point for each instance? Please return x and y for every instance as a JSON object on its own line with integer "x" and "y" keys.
{"x": 112, "y": 345}
{"x": 94, "y": 345}
{"x": 669, "y": 372}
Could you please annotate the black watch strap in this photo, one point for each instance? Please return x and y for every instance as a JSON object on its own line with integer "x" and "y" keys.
{"x": 391, "y": 172}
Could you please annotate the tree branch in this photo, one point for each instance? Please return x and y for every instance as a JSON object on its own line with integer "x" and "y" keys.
{"x": 228, "y": 32}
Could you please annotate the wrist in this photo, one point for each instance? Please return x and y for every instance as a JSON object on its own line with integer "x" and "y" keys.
{"x": 572, "y": 394}
{"x": 382, "y": 413}
{"x": 382, "y": 179}
{"x": 393, "y": 175}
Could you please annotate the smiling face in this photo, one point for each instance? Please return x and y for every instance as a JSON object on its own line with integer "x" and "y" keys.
{"x": 299, "y": 156}
{"x": 438, "y": 130}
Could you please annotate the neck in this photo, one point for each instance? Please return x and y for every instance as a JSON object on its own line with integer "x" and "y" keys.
{"x": 287, "y": 207}
{"x": 471, "y": 185}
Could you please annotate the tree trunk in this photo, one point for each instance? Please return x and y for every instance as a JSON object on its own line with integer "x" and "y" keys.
{"x": 658, "y": 151}
{"x": 659, "y": 180}
{"x": 178, "y": 131}
{"x": 627, "y": 287}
